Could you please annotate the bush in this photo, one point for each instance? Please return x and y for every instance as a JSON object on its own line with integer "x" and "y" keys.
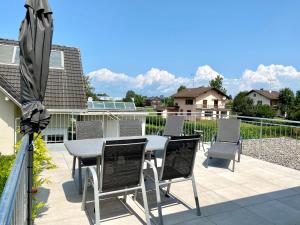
{"x": 264, "y": 111}
{"x": 6, "y": 162}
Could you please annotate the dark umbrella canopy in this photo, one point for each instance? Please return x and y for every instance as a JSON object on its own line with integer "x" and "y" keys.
{"x": 35, "y": 47}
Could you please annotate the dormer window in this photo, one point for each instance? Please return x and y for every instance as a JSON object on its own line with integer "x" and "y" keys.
{"x": 9, "y": 54}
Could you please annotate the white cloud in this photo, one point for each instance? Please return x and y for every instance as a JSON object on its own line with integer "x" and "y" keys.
{"x": 206, "y": 73}
{"x": 275, "y": 75}
{"x": 156, "y": 81}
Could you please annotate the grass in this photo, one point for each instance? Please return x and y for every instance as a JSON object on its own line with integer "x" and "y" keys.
{"x": 249, "y": 129}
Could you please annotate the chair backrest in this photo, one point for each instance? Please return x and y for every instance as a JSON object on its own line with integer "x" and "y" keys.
{"x": 89, "y": 129}
{"x": 179, "y": 157}
{"x": 229, "y": 130}
{"x": 130, "y": 128}
{"x": 174, "y": 126}
{"x": 122, "y": 164}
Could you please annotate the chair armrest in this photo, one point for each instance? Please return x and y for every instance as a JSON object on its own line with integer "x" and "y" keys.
{"x": 152, "y": 166}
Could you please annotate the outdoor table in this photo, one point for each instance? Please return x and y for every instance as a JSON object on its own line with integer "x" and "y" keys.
{"x": 92, "y": 148}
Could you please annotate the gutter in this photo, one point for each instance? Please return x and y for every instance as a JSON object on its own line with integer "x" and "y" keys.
{"x": 10, "y": 97}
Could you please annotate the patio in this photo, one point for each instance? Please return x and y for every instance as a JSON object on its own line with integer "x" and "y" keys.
{"x": 257, "y": 192}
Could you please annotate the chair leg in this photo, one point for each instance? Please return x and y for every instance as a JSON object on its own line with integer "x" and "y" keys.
{"x": 79, "y": 176}
{"x": 135, "y": 195}
{"x": 168, "y": 190}
{"x": 85, "y": 190}
{"x": 196, "y": 196}
{"x": 145, "y": 202}
{"x": 207, "y": 160}
{"x": 97, "y": 205}
{"x": 233, "y": 164}
{"x": 155, "y": 161}
{"x": 73, "y": 166}
{"x": 239, "y": 156}
{"x": 158, "y": 200}
{"x": 125, "y": 197}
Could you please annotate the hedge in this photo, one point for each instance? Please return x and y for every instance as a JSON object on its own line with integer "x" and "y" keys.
{"x": 6, "y": 162}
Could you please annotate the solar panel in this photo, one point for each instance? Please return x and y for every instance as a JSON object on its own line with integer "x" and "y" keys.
{"x": 97, "y": 105}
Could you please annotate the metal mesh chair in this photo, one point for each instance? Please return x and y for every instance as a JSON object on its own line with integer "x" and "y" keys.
{"x": 174, "y": 126}
{"x": 130, "y": 128}
{"x": 121, "y": 171}
{"x": 177, "y": 166}
{"x": 86, "y": 130}
{"x": 227, "y": 142}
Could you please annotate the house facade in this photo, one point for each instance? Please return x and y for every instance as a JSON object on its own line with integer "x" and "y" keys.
{"x": 210, "y": 102}
{"x": 64, "y": 93}
{"x": 264, "y": 97}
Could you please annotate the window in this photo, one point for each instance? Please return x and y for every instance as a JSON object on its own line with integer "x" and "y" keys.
{"x": 189, "y": 101}
{"x": 55, "y": 138}
{"x": 254, "y": 95}
{"x": 208, "y": 113}
{"x": 56, "y": 59}
{"x": 205, "y": 104}
{"x": 216, "y": 103}
{"x": 9, "y": 54}
{"x": 259, "y": 102}
{"x": 188, "y": 112}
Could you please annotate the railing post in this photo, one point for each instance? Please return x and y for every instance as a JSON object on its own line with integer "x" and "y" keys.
{"x": 72, "y": 126}
{"x": 30, "y": 180}
{"x": 260, "y": 138}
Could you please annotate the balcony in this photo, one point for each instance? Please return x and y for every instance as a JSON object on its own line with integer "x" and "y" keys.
{"x": 264, "y": 189}
{"x": 210, "y": 107}
{"x": 258, "y": 192}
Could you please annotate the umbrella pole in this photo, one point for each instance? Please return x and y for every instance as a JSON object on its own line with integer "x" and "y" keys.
{"x": 30, "y": 180}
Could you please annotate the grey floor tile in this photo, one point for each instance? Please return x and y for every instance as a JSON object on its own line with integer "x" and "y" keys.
{"x": 277, "y": 213}
{"x": 291, "y": 201}
{"x": 238, "y": 217}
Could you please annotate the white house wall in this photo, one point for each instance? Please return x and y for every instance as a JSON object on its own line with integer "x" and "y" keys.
{"x": 8, "y": 114}
{"x": 210, "y": 96}
{"x": 258, "y": 97}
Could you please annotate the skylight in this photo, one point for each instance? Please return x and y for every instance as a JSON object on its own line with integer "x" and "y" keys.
{"x": 9, "y": 54}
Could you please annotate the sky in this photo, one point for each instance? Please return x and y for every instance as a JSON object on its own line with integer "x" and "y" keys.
{"x": 154, "y": 46}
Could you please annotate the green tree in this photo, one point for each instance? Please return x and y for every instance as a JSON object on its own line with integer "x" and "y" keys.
{"x": 181, "y": 87}
{"x": 129, "y": 96}
{"x": 89, "y": 89}
{"x": 169, "y": 101}
{"x": 286, "y": 100}
{"x": 138, "y": 99}
{"x": 218, "y": 84}
{"x": 265, "y": 111}
{"x": 243, "y": 105}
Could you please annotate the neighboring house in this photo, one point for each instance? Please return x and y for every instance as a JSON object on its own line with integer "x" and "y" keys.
{"x": 155, "y": 102}
{"x": 264, "y": 97}
{"x": 210, "y": 102}
{"x": 65, "y": 92}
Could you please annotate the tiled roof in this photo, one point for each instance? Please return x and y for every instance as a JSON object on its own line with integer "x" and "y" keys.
{"x": 272, "y": 95}
{"x": 195, "y": 92}
{"x": 65, "y": 87}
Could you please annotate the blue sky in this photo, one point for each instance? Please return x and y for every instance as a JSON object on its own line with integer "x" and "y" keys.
{"x": 154, "y": 46}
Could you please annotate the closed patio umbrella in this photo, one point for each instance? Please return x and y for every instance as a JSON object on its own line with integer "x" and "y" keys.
{"x": 35, "y": 41}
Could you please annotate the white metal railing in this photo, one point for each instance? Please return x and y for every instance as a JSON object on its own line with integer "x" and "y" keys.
{"x": 13, "y": 202}
{"x": 62, "y": 126}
